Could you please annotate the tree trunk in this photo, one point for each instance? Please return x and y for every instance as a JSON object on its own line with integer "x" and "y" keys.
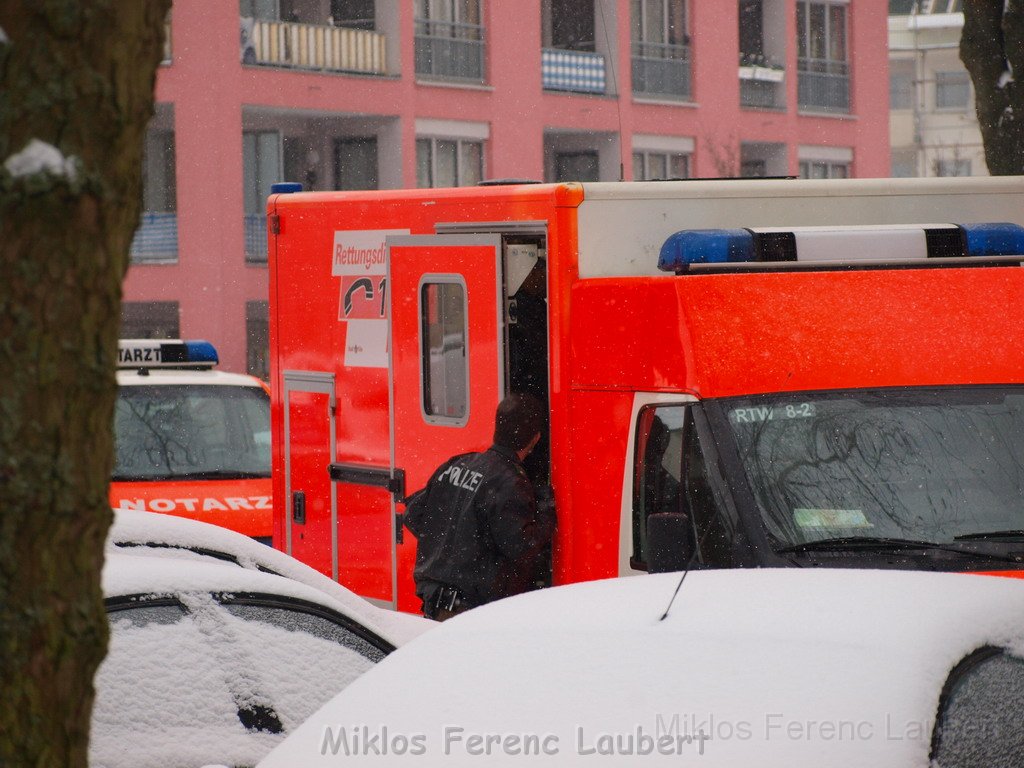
{"x": 992, "y": 49}
{"x": 76, "y": 92}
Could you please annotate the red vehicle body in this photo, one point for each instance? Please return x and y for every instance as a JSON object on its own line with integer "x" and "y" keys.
{"x": 399, "y": 319}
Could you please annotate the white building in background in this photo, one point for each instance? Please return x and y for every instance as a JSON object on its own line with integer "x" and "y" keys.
{"x": 933, "y": 125}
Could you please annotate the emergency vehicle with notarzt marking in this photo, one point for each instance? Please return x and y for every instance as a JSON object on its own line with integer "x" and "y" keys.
{"x": 191, "y": 441}
{"x": 737, "y": 373}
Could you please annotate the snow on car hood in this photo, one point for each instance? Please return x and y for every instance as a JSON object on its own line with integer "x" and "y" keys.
{"x": 131, "y": 527}
{"x": 774, "y": 667}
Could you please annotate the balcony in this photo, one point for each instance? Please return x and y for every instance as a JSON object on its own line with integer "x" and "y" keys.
{"x": 661, "y": 70}
{"x": 255, "y": 238}
{"x": 823, "y": 85}
{"x": 156, "y": 239}
{"x": 576, "y": 71}
{"x": 449, "y": 50}
{"x": 761, "y": 83}
{"x": 313, "y": 47}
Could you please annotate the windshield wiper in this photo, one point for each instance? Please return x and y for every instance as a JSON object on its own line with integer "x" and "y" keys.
{"x": 990, "y": 535}
{"x": 217, "y": 474}
{"x": 886, "y": 544}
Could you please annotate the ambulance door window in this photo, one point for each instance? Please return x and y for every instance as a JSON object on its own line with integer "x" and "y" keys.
{"x": 670, "y": 475}
{"x": 444, "y": 362}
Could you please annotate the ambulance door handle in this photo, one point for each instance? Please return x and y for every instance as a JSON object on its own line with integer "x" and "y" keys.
{"x": 299, "y": 507}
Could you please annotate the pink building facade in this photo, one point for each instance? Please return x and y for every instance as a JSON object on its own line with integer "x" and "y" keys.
{"x": 363, "y": 94}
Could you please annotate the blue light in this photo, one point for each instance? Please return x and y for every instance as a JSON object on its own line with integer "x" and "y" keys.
{"x": 201, "y": 352}
{"x": 705, "y": 246}
{"x": 994, "y": 239}
{"x": 285, "y": 187}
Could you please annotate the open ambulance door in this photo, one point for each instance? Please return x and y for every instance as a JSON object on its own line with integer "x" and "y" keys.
{"x": 447, "y": 361}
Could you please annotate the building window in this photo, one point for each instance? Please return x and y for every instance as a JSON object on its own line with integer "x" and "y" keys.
{"x": 941, "y": 6}
{"x": 261, "y": 167}
{"x": 661, "y": 54}
{"x": 824, "y": 169}
{"x": 753, "y": 168}
{"x": 355, "y": 163}
{"x": 660, "y": 165}
{"x": 156, "y": 239}
{"x": 901, "y": 85}
{"x": 904, "y": 164}
{"x": 952, "y": 90}
{"x": 354, "y": 14}
{"x": 449, "y": 39}
{"x": 449, "y": 162}
{"x": 445, "y": 363}
{"x": 954, "y": 167}
{"x": 257, "y": 339}
{"x": 266, "y": 10}
{"x": 150, "y": 320}
{"x": 577, "y": 166}
{"x": 568, "y": 24}
{"x": 824, "y": 81}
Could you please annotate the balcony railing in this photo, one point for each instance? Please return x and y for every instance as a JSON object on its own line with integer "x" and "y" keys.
{"x": 661, "y": 70}
{"x": 761, "y": 84}
{"x": 256, "y": 238}
{"x": 575, "y": 71}
{"x": 450, "y": 50}
{"x": 156, "y": 239}
{"x": 823, "y": 85}
{"x": 312, "y": 46}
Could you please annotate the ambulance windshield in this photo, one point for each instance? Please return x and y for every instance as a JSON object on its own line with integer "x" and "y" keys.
{"x": 927, "y": 465}
{"x": 192, "y": 432}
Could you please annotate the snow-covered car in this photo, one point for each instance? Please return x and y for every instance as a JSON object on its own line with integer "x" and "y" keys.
{"x": 220, "y": 646}
{"x": 771, "y": 667}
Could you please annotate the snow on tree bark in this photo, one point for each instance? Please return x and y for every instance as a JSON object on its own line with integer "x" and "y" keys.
{"x": 992, "y": 49}
{"x": 76, "y": 92}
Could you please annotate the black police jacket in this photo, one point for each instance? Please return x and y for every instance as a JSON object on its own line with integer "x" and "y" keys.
{"x": 478, "y": 527}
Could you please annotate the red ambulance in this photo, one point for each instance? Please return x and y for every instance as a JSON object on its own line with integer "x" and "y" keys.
{"x": 805, "y": 373}
{"x": 191, "y": 441}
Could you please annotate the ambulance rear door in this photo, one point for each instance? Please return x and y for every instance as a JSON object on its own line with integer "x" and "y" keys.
{"x": 447, "y": 359}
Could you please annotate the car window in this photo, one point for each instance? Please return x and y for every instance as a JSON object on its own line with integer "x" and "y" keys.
{"x": 979, "y": 720}
{"x": 671, "y": 475}
{"x": 204, "y": 679}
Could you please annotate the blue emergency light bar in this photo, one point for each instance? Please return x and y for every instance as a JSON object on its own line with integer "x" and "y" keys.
{"x": 155, "y": 353}
{"x": 838, "y": 246}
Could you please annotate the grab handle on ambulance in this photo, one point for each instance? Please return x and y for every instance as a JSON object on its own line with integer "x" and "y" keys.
{"x": 378, "y": 477}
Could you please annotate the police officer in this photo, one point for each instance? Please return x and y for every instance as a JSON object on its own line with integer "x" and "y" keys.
{"x": 478, "y": 526}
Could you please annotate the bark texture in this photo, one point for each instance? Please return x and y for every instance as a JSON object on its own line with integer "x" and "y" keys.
{"x": 992, "y": 49}
{"x": 77, "y": 76}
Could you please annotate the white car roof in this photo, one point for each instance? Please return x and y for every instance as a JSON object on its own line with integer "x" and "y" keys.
{"x": 776, "y": 667}
{"x": 127, "y": 377}
{"x": 176, "y": 538}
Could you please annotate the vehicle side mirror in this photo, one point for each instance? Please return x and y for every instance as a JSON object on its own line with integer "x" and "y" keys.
{"x": 669, "y": 542}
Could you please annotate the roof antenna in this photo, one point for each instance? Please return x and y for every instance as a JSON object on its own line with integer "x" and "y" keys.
{"x": 680, "y": 519}
{"x": 615, "y": 87}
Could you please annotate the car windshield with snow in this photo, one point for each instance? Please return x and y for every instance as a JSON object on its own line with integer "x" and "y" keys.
{"x": 192, "y": 432}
